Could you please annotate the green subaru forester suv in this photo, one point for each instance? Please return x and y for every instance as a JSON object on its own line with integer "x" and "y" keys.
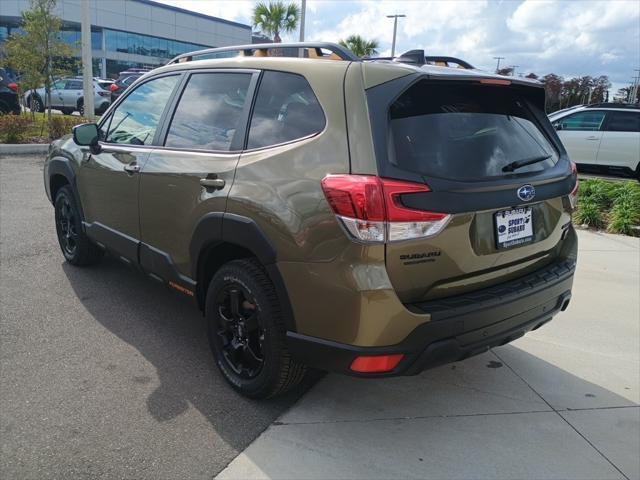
{"x": 368, "y": 217}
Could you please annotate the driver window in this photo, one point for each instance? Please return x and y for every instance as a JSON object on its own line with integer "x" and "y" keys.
{"x": 136, "y": 119}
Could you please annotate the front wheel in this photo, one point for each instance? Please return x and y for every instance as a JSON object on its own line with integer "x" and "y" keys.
{"x": 76, "y": 247}
{"x": 247, "y": 332}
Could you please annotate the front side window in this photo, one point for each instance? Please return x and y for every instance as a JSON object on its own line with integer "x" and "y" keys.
{"x": 583, "y": 121}
{"x": 623, "y": 122}
{"x": 465, "y": 131}
{"x": 286, "y": 109}
{"x": 136, "y": 119}
{"x": 209, "y": 111}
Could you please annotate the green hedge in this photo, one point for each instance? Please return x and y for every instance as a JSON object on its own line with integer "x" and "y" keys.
{"x": 614, "y": 206}
{"x": 28, "y": 128}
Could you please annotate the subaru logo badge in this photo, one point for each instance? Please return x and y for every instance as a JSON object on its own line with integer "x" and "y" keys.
{"x": 526, "y": 193}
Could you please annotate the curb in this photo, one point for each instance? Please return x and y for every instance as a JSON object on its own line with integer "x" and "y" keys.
{"x": 21, "y": 149}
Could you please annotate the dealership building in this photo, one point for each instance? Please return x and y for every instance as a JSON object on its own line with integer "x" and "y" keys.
{"x": 133, "y": 33}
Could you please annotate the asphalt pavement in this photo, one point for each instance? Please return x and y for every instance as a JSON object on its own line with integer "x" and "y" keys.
{"x": 103, "y": 373}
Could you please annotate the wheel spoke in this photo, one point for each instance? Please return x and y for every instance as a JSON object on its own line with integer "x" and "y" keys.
{"x": 234, "y": 301}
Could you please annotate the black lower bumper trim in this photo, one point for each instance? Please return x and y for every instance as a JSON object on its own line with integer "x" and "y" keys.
{"x": 455, "y": 334}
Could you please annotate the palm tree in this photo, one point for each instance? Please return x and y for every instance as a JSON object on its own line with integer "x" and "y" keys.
{"x": 360, "y": 46}
{"x": 276, "y": 17}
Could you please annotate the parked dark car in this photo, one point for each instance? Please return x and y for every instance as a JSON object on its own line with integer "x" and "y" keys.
{"x": 120, "y": 85}
{"x": 9, "y": 100}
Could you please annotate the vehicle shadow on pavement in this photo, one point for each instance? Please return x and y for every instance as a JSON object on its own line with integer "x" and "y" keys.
{"x": 169, "y": 331}
{"x": 510, "y": 415}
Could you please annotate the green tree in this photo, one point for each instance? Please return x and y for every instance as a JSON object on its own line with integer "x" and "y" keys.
{"x": 38, "y": 54}
{"x": 276, "y": 17}
{"x": 360, "y": 46}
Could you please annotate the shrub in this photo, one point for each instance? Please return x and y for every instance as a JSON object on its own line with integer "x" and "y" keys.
{"x": 13, "y": 127}
{"x": 625, "y": 213}
{"x": 61, "y": 125}
{"x": 589, "y": 212}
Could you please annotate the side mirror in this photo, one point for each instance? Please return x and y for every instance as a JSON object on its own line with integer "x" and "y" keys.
{"x": 87, "y": 135}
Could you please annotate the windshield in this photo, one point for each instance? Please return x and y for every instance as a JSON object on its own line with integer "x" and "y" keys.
{"x": 465, "y": 131}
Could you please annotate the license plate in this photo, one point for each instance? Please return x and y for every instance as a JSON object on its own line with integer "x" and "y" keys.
{"x": 514, "y": 227}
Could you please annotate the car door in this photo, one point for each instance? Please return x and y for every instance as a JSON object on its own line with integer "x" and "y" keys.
{"x": 620, "y": 145}
{"x": 191, "y": 173}
{"x": 57, "y": 93}
{"x": 108, "y": 182}
{"x": 72, "y": 92}
{"x": 581, "y": 133}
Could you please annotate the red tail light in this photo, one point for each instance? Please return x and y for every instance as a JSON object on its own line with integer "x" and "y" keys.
{"x": 371, "y": 210}
{"x": 378, "y": 364}
{"x": 573, "y": 196}
{"x": 13, "y": 86}
{"x": 113, "y": 87}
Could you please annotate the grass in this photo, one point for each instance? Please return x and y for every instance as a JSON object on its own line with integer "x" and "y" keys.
{"x": 614, "y": 206}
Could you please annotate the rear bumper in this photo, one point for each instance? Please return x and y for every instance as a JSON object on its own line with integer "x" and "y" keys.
{"x": 460, "y": 326}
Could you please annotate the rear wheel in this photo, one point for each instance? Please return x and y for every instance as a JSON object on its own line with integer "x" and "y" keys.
{"x": 66, "y": 111}
{"x": 74, "y": 243}
{"x": 247, "y": 333}
{"x": 81, "y": 107}
{"x": 35, "y": 104}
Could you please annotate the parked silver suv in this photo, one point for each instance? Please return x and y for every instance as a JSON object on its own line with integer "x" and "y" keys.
{"x": 67, "y": 95}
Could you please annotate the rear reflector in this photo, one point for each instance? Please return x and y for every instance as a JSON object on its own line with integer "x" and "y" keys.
{"x": 371, "y": 208}
{"x": 377, "y": 364}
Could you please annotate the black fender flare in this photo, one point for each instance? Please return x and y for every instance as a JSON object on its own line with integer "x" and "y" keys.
{"x": 62, "y": 166}
{"x": 217, "y": 228}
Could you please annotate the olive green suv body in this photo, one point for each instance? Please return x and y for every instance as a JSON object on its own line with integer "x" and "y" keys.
{"x": 366, "y": 217}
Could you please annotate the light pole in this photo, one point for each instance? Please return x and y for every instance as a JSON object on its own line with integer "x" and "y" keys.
{"x": 498, "y": 65}
{"x": 395, "y": 29}
{"x": 87, "y": 62}
{"x": 303, "y": 9}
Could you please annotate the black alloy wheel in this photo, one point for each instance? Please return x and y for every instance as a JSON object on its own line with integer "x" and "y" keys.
{"x": 240, "y": 333}
{"x": 67, "y": 226}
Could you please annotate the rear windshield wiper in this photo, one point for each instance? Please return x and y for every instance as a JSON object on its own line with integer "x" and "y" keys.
{"x": 524, "y": 162}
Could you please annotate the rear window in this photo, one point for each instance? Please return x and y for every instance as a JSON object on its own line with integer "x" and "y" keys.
{"x": 623, "y": 122}
{"x": 465, "y": 132}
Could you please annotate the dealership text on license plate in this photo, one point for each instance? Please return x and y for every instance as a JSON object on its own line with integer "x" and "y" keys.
{"x": 514, "y": 227}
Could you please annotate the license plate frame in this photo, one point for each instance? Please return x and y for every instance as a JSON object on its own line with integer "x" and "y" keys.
{"x": 518, "y": 218}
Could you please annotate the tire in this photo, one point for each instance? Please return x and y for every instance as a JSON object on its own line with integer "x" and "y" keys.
{"x": 638, "y": 172}
{"x": 81, "y": 107}
{"x": 75, "y": 245}
{"x": 38, "y": 106}
{"x": 254, "y": 335}
{"x": 66, "y": 111}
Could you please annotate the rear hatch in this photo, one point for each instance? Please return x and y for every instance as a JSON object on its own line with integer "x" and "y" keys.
{"x": 460, "y": 137}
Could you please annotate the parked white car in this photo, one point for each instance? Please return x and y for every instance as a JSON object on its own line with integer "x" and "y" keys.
{"x": 605, "y": 135}
{"x": 67, "y": 95}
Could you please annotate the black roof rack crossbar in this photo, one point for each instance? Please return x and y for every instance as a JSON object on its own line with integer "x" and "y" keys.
{"x": 417, "y": 57}
{"x": 438, "y": 58}
{"x": 248, "y": 50}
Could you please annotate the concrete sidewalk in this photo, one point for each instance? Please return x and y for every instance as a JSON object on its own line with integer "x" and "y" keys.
{"x": 562, "y": 402}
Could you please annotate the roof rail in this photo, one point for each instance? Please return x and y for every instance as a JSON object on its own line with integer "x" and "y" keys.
{"x": 417, "y": 57}
{"x": 613, "y": 105}
{"x": 247, "y": 50}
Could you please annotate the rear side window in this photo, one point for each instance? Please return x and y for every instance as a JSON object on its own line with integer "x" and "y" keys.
{"x": 73, "y": 85}
{"x": 583, "y": 121}
{"x": 209, "y": 111}
{"x": 465, "y": 132}
{"x": 623, "y": 122}
{"x": 286, "y": 109}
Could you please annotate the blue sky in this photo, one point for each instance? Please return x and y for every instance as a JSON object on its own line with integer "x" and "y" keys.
{"x": 567, "y": 37}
